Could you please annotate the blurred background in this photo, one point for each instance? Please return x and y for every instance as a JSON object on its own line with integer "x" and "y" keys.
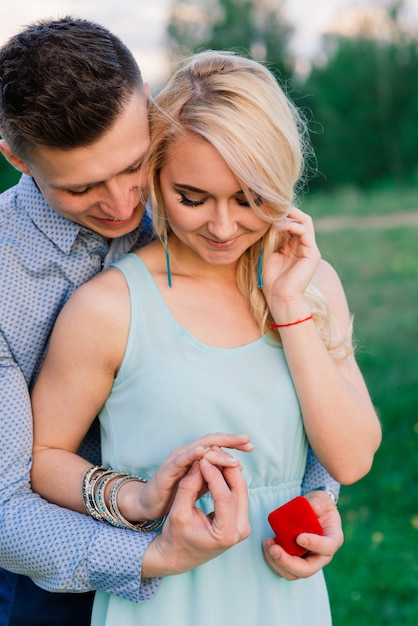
{"x": 352, "y": 67}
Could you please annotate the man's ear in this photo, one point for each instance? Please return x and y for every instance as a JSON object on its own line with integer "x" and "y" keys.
{"x": 13, "y": 159}
{"x": 147, "y": 93}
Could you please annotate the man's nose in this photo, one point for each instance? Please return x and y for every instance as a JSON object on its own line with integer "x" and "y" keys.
{"x": 122, "y": 197}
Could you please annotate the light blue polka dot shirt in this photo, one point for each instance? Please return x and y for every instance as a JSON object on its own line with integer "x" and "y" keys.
{"x": 43, "y": 259}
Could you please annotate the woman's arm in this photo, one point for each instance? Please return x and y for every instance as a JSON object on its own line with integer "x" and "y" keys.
{"x": 84, "y": 356}
{"x": 340, "y": 421}
{"x": 77, "y": 375}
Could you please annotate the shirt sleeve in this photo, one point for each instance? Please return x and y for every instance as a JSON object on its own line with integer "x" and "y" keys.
{"x": 61, "y": 550}
{"x": 317, "y": 476}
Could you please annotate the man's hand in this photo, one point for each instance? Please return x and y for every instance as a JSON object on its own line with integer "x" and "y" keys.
{"x": 321, "y": 548}
{"x": 190, "y": 537}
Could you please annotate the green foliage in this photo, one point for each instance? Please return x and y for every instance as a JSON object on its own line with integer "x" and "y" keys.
{"x": 8, "y": 175}
{"x": 367, "y": 104}
{"x": 250, "y": 27}
{"x": 361, "y": 95}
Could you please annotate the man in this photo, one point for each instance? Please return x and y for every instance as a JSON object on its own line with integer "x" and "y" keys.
{"x": 73, "y": 117}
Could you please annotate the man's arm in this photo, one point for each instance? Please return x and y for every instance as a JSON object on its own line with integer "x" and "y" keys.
{"x": 317, "y": 477}
{"x": 59, "y": 549}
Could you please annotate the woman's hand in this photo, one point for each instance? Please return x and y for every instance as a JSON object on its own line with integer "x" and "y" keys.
{"x": 289, "y": 270}
{"x": 147, "y": 501}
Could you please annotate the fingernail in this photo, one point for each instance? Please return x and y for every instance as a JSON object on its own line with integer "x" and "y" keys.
{"x": 194, "y": 468}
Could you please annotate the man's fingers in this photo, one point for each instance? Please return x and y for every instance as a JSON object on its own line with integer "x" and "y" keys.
{"x": 320, "y": 501}
{"x": 289, "y": 566}
{"x": 188, "y": 490}
{"x": 321, "y": 544}
{"x": 274, "y": 556}
{"x": 230, "y": 495}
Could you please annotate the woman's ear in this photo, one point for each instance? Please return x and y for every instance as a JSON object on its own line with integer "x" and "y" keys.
{"x": 14, "y": 160}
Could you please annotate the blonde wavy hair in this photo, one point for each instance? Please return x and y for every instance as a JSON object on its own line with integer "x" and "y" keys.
{"x": 237, "y": 105}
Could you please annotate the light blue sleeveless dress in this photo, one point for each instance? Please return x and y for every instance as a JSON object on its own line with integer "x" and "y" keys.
{"x": 171, "y": 389}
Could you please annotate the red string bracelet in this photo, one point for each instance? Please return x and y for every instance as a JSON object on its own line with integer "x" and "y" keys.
{"x": 305, "y": 319}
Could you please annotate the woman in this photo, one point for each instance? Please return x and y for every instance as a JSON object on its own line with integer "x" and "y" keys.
{"x": 230, "y": 322}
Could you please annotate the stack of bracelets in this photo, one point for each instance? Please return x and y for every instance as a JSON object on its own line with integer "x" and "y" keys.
{"x": 93, "y": 487}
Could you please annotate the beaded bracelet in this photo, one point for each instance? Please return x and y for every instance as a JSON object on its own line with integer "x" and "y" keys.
{"x": 94, "y": 482}
{"x": 305, "y": 319}
{"x": 145, "y": 526}
{"x": 99, "y": 497}
{"x": 87, "y": 492}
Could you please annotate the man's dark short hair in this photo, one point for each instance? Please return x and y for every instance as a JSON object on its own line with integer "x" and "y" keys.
{"x": 63, "y": 83}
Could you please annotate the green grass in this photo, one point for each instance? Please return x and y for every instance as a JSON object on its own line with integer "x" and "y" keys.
{"x": 351, "y": 201}
{"x": 373, "y": 579}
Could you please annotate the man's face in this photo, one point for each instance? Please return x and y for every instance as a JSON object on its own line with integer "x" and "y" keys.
{"x": 100, "y": 186}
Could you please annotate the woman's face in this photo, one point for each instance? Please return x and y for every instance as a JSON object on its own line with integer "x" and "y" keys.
{"x": 205, "y": 205}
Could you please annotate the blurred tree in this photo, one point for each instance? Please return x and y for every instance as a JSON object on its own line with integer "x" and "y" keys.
{"x": 252, "y": 27}
{"x": 8, "y": 175}
{"x": 366, "y": 100}
{"x": 360, "y": 95}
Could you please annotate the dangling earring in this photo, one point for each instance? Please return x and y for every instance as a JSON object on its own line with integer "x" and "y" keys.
{"x": 260, "y": 267}
{"x": 167, "y": 258}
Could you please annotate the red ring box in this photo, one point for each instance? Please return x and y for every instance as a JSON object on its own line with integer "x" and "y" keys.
{"x": 291, "y": 519}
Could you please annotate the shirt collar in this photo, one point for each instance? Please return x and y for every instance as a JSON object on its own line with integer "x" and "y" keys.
{"x": 63, "y": 232}
{"x": 60, "y": 230}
